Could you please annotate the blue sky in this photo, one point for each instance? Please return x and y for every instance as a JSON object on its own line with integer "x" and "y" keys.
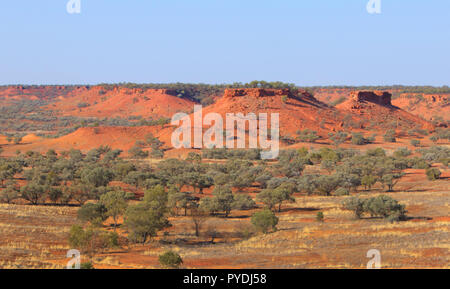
{"x": 309, "y": 42}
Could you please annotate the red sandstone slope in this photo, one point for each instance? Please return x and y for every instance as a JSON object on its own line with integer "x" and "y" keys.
{"x": 121, "y": 102}
{"x": 372, "y": 111}
{"x": 296, "y": 112}
{"x": 20, "y": 92}
{"x": 88, "y": 138}
{"x": 428, "y": 106}
{"x": 375, "y": 109}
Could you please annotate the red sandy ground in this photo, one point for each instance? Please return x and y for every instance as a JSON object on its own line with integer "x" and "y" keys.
{"x": 296, "y": 113}
{"x": 121, "y": 102}
{"x": 432, "y": 105}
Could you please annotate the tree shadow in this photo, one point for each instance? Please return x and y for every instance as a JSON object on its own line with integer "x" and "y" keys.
{"x": 308, "y": 209}
{"x": 410, "y": 218}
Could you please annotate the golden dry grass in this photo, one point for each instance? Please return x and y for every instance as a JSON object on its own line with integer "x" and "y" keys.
{"x": 36, "y": 237}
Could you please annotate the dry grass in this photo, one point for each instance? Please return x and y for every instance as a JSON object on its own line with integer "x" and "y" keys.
{"x": 36, "y": 237}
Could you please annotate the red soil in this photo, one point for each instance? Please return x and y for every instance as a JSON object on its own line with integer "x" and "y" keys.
{"x": 296, "y": 112}
{"x": 88, "y": 138}
{"x": 427, "y": 106}
{"x": 377, "y": 108}
{"x": 123, "y": 102}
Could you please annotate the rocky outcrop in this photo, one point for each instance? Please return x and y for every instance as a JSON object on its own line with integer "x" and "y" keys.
{"x": 267, "y": 92}
{"x": 255, "y": 92}
{"x": 378, "y": 97}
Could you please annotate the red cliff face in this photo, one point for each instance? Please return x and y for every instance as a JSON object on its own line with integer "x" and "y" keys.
{"x": 265, "y": 92}
{"x": 379, "y": 97}
{"x": 255, "y": 92}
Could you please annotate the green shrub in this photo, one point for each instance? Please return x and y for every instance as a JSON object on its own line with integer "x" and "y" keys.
{"x": 264, "y": 221}
{"x": 342, "y": 192}
{"x": 93, "y": 213}
{"x": 354, "y": 204}
{"x": 402, "y": 152}
{"x": 170, "y": 260}
{"x": 359, "y": 139}
{"x": 307, "y": 135}
{"x": 381, "y": 206}
{"x": 433, "y": 174}
{"x": 419, "y": 164}
{"x": 87, "y": 266}
{"x": 415, "y": 143}
{"x": 368, "y": 181}
{"x": 320, "y": 217}
{"x": 243, "y": 202}
{"x": 390, "y": 136}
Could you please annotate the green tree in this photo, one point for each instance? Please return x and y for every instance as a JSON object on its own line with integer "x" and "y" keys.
{"x": 390, "y": 180}
{"x": 224, "y": 198}
{"x": 34, "y": 193}
{"x": 180, "y": 200}
{"x": 354, "y": 204}
{"x": 136, "y": 178}
{"x": 328, "y": 165}
{"x": 402, "y": 152}
{"x": 91, "y": 241}
{"x": 415, "y": 143}
{"x": 264, "y": 221}
{"x": 145, "y": 219}
{"x": 170, "y": 260}
{"x": 341, "y": 192}
{"x": 338, "y": 138}
{"x": 359, "y": 139}
{"x": 389, "y": 136}
{"x": 384, "y": 206}
{"x": 272, "y": 197}
{"x": 79, "y": 192}
{"x": 320, "y": 217}
{"x": 54, "y": 194}
{"x": 115, "y": 203}
{"x": 7, "y": 171}
{"x": 243, "y": 202}
{"x": 368, "y": 181}
{"x": 307, "y": 135}
{"x": 138, "y": 153}
{"x": 433, "y": 174}
{"x": 97, "y": 176}
{"x": 9, "y": 194}
{"x": 327, "y": 184}
{"x": 93, "y": 213}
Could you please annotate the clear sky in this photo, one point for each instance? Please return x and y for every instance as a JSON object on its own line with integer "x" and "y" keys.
{"x": 307, "y": 42}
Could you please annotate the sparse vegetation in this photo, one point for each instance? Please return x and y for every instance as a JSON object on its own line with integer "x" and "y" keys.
{"x": 381, "y": 206}
{"x": 216, "y": 199}
{"x": 170, "y": 260}
{"x": 433, "y": 174}
{"x": 264, "y": 221}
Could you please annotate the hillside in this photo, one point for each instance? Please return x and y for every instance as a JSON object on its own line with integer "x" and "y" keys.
{"x": 364, "y": 111}
{"x": 374, "y": 110}
{"x": 432, "y": 107}
{"x": 120, "y": 102}
{"x": 429, "y": 106}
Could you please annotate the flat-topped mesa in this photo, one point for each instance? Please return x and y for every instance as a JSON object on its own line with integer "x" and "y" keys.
{"x": 264, "y": 92}
{"x": 378, "y": 97}
{"x": 133, "y": 91}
